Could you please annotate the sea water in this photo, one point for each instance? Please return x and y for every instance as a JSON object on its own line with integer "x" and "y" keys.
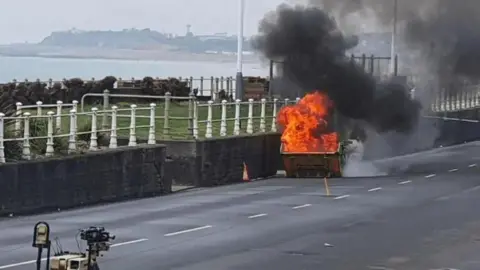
{"x": 32, "y": 68}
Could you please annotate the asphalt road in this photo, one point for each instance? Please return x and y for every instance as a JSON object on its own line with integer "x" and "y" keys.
{"x": 410, "y": 222}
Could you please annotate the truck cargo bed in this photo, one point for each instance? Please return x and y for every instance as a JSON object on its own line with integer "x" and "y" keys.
{"x": 306, "y": 165}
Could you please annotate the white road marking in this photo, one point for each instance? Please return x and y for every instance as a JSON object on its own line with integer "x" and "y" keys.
{"x": 341, "y": 197}
{"x": 471, "y": 189}
{"x": 375, "y": 189}
{"x": 453, "y": 170}
{"x": 20, "y": 264}
{"x": 256, "y": 216}
{"x": 129, "y": 242}
{"x": 405, "y": 182}
{"x": 472, "y": 165}
{"x": 430, "y": 176}
{"x": 301, "y": 206}
{"x": 44, "y": 259}
{"x": 189, "y": 230}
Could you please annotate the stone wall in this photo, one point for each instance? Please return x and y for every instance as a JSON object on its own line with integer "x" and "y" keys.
{"x": 59, "y": 183}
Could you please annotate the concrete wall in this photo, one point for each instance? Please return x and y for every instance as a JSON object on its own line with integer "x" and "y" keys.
{"x": 219, "y": 161}
{"x": 110, "y": 175}
{"x": 432, "y": 132}
{"x": 222, "y": 159}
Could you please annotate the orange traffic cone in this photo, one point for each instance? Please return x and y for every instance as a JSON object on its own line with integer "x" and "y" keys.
{"x": 245, "y": 173}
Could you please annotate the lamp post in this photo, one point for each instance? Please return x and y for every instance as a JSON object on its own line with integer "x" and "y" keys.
{"x": 394, "y": 33}
{"x": 239, "y": 91}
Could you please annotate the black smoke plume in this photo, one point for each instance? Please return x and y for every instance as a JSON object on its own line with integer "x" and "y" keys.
{"x": 313, "y": 51}
{"x": 444, "y": 34}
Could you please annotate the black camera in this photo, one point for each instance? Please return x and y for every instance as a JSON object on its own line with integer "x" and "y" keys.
{"x": 96, "y": 235}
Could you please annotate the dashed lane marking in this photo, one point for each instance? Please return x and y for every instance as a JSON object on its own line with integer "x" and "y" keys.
{"x": 453, "y": 170}
{"x": 129, "y": 242}
{"x": 341, "y": 197}
{"x": 189, "y": 230}
{"x": 257, "y": 216}
{"x": 472, "y": 165}
{"x": 430, "y": 176}
{"x": 301, "y": 206}
{"x": 375, "y": 189}
{"x": 405, "y": 182}
{"x": 44, "y": 259}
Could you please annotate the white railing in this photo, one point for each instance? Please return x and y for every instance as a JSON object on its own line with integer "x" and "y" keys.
{"x": 23, "y": 134}
{"x": 158, "y": 125}
{"x": 464, "y": 100}
{"x": 267, "y": 117}
{"x": 39, "y": 106}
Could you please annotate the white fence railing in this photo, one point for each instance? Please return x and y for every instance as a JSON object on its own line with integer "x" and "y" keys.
{"x": 463, "y": 100}
{"x": 206, "y": 121}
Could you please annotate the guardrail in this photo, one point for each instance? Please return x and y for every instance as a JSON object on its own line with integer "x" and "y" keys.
{"x": 150, "y": 122}
{"x": 467, "y": 99}
{"x": 39, "y": 106}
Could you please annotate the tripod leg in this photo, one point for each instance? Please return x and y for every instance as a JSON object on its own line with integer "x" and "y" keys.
{"x": 39, "y": 258}
{"x": 89, "y": 254}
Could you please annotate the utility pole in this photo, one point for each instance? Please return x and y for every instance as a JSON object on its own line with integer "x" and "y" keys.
{"x": 394, "y": 34}
{"x": 239, "y": 87}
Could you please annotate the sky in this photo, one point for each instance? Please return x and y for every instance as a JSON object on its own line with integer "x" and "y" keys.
{"x": 31, "y": 21}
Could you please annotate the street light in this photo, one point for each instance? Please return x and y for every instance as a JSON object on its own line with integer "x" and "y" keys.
{"x": 394, "y": 33}
{"x": 239, "y": 91}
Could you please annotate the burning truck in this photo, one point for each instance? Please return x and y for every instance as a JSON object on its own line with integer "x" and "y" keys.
{"x": 312, "y": 142}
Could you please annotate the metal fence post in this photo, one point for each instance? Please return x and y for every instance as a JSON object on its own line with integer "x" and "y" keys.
{"x": 190, "y": 113}
{"x": 72, "y": 144}
{"x": 208, "y": 130}
{"x": 236, "y": 125}
{"x": 166, "y": 126}
{"x": 58, "y": 120}
{"x": 216, "y": 89}
{"x": 93, "y": 136}
{"x": 2, "y": 131}
{"x": 50, "y": 150}
{"x": 151, "y": 130}
{"x": 106, "y": 105}
{"x": 223, "y": 121}
{"x": 195, "y": 120}
{"x": 212, "y": 88}
{"x": 18, "y": 115}
{"x": 262, "y": 115}
{"x": 274, "y": 115}
{"x": 286, "y": 101}
{"x": 228, "y": 89}
{"x": 132, "y": 141}
{"x": 75, "y": 105}
{"x": 201, "y": 86}
{"x": 39, "y": 107}
{"x": 26, "y": 136}
{"x": 113, "y": 133}
{"x": 250, "y": 116}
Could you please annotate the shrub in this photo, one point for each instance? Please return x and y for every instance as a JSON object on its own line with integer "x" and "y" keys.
{"x": 86, "y": 128}
{"x": 39, "y": 128}
{"x": 13, "y": 149}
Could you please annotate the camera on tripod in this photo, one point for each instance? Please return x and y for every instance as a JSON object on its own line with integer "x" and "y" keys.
{"x": 97, "y": 237}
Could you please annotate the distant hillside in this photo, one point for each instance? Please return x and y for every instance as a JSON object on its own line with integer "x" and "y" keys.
{"x": 142, "y": 40}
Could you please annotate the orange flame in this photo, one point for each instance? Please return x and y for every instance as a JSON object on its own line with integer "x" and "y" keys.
{"x": 304, "y": 125}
